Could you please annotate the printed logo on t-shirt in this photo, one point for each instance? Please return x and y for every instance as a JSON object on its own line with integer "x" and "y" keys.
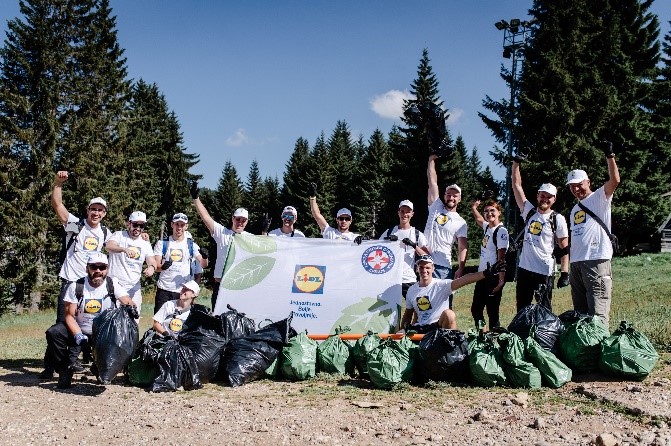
{"x": 134, "y": 252}
{"x": 176, "y": 325}
{"x": 176, "y": 255}
{"x": 93, "y": 306}
{"x": 485, "y": 239}
{"x": 442, "y": 219}
{"x": 90, "y": 243}
{"x": 535, "y": 227}
{"x": 579, "y": 217}
{"x": 423, "y": 303}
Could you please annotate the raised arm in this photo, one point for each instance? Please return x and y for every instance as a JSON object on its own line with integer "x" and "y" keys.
{"x": 432, "y": 179}
{"x": 317, "y": 215}
{"x": 476, "y": 214}
{"x": 518, "y": 192}
{"x": 613, "y": 176}
{"x": 57, "y": 197}
{"x": 203, "y": 214}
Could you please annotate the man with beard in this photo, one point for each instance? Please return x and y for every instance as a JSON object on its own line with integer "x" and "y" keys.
{"x": 99, "y": 292}
{"x": 591, "y": 247}
{"x": 542, "y": 225}
{"x": 343, "y": 219}
{"x": 444, "y": 225}
{"x": 174, "y": 257}
{"x": 412, "y": 240}
{"x": 128, "y": 252}
{"x": 221, "y": 235}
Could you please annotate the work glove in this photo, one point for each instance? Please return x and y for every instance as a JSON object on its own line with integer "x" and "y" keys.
{"x": 558, "y": 252}
{"x": 166, "y": 265}
{"x": 194, "y": 190}
{"x": 492, "y": 270}
{"x": 168, "y": 335}
{"x": 563, "y": 280}
{"x": 519, "y": 156}
{"x": 132, "y": 311}
{"x": 359, "y": 238}
{"x": 204, "y": 253}
{"x": 81, "y": 338}
{"x": 312, "y": 189}
{"x": 408, "y": 242}
{"x": 607, "y": 148}
{"x": 267, "y": 221}
{"x": 391, "y": 237}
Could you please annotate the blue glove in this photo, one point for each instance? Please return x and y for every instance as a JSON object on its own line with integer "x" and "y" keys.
{"x": 81, "y": 338}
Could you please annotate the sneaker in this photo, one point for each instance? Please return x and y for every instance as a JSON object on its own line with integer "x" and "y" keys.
{"x": 47, "y": 373}
{"x": 77, "y": 367}
{"x": 65, "y": 378}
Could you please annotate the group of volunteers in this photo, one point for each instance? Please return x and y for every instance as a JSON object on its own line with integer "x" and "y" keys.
{"x": 92, "y": 281}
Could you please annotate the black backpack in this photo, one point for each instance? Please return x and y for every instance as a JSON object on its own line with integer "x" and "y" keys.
{"x": 72, "y": 230}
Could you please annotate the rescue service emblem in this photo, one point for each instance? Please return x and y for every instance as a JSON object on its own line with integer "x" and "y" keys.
{"x": 579, "y": 217}
{"x": 423, "y": 303}
{"x": 309, "y": 279}
{"x": 93, "y": 306}
{"x": 176, "y": 255}
{"x": 90, "y": 243}
{"x": 378, "y": 259}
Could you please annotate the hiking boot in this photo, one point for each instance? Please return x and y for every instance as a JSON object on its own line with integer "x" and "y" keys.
{"x": 47, "y": 373}
{"x": 77, "y": 367}
{"x": 65, "y": 378}
{"x": 87, "y": 358}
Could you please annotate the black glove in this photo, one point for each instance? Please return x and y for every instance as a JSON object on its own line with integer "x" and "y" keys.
{"x": 204, "y": 253}
{"x": 492, "y": 270}
{"x": 168, "y": 335}
{"x": 392, "y": 238}
{"x": 167, "y": 264}
{"x": 519, "y": 157}
{"x": 563, "y": 280}
{"x": 407, "y": 241}
{"x": 558, "y": 252}
{"x": 132, "y": 311}
{"x": 194, "y": 190}
{"x": 267, "y": 221}
{"x": 313, "y": 189}
{"x": 607, "y": 148}
{"x": 359, "y": 238}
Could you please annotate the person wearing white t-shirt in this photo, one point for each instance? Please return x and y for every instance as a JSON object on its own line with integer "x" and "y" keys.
{"x": 174, "y": 257}
{"x": 429, "y": 299}
{"x": 221, "y": 235}
{"x": 170, "y": 318}
{"x": 591, "y": 249}
{"x": 444, "y": 226}
{"x": 343, "y": 219}
{"x": 487, "y": 293}
{"x": 128, "y": 253}
{"x": 289, "y": 217}
{"x": 545, "y": 242}
{"x": 76, "y": 329}
{"x": 412, "y": 241}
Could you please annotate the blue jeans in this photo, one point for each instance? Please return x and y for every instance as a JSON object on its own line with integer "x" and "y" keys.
{"x": 443, "y": 272}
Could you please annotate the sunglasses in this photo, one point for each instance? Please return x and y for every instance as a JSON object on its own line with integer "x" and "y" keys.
{"x": 344, "y": 218}
{"x": 138, "y": 225}
{"x": 97, "y": 266}
{"x": 288, "y": 217}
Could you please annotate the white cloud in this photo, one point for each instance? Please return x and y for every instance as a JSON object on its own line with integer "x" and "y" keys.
{"x": 390, "y": 104}
{"x": 238, "y": 139}
{"x": 455, "y": 115}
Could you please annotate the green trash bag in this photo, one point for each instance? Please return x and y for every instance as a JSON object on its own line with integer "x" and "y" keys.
{"x": 335, "y": 355}
{"x": 519, "y": 371}
{"x": 141, "y": 372}
{"x": 580, "y": 343}
{"x": 390, "y": 363}
{"x": 274, "y": 369}
{"x": 484, "y": 359}
{"x": 627, "y": 353}
{"x": 554, "y": 373}
{"x": 299, "y": 358}
{"x": 362, "y": 347}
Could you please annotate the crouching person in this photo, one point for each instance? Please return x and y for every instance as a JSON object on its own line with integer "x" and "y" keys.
{"x": 84, "y": 300}
{"x": 429, "y": 299}
{"x": 169, "y": 318}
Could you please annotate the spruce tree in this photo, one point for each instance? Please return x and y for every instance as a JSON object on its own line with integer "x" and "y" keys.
{"x": 228, "y": 196}
{"x": 295, "y": 189}
{"x": 252, "y": 196}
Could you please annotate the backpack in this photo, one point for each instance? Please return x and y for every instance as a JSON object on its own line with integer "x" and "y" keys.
{"x": 79, "y": 290}
{"x": 72, "y": 230}
{"x": 189, "y": 242}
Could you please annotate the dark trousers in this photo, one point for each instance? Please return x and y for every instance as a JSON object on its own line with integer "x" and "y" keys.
{"x": 215, "y": 293}
{"x": 74, "y": 349}
{"x": 530, "y": 283}
{"x": 60, "y": 308}
{"x": 60, "y": 342}
{"x": 163, "y": 296}
{"x": 483, "y": 297}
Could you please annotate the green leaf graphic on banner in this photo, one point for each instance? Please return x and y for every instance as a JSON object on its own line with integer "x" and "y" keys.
{"x": 256, "y": 244}
{"x": 230, "y": 258}
{"x": 248, "y": 273}
{"x": 369, "y": 313}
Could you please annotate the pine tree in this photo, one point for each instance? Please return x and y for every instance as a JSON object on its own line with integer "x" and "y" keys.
{"x": 228, "y": 196}
{"x": 252, "y": 196}
{"x": 343, "y": 161}
{"x": 322, "y": 172}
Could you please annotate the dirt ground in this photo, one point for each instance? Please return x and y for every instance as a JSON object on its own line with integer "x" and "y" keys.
{"x": 332, "y": 411}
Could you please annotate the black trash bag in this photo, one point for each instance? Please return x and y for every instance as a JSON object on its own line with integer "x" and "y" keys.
{"x": 200, "y": 335}
{"x": 246, "y": 359}
{"x": 177, "y": 368}
{"x": 143, "y": 368}
{"x": 443, "y": 356}
{"x": 571, "y": 316}
{"x": 548, "y": 326}
{"x": 114, "y": 341}
{"x": 235, "y": 325}
{"x": 151, "y": 345}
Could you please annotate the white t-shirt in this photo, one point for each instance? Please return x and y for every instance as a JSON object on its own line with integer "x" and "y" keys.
{"x": 180, "y": 270}
{"x": 488, "y": 248}
{"x": 430, "y": 301}
{"x": 589, "y": 240}
{"x": 88, "y": 241}
{"x": 538, "y": 242}
{"x": 222, "y": 236}
{"x": 443, "y": 228}
{"x": 278, "y": 233}
{"x": 170, "y": 318}
{"x": 335, "y": 234}
{"x": 128, "y": 270}
{"x": 94, "y": 302}
{"x": 408, "y": 251}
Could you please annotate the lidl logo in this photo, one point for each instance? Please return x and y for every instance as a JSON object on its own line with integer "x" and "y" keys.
{"x": 176, "y": 325}
{"x": 485, "y": 239}
{"x": 535, "y": 227}
{"x": 91, "y": 243}
{"x": 134, "y": 252}
{"x": 579, "y": 217}
{"x": 378, "y": 259}
{"x": 423, "y": 303}
{"x": 176, "y": 255}
{"x": 441, "y": 219}
{"x": 309, "y": 279}
{"x": 93, "y": 306}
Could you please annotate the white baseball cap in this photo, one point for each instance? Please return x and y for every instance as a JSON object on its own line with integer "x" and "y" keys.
{"x": 138, "y": 216}
{"x": 344, "y": 211}
{"x": 180, "y": 217}
{"x": 453, "y": 186}
{"x": 98, "y": 200}
{"x": 576, "y": 176}
{"x": 98, "y": 257}
{"x": 406, "y": 203}
{"x": 193, "y": 286}
{"x": 290, "y": 210}
{"x": 241, "y": 212}
{"x": 426, "y": 258}
{"x": 549, "y": 188}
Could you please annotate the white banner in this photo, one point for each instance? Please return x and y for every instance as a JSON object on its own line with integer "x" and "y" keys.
{"x": 325, "y": 283}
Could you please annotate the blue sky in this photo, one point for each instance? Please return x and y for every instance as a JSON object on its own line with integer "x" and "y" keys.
{"x": 248, "y": 78}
